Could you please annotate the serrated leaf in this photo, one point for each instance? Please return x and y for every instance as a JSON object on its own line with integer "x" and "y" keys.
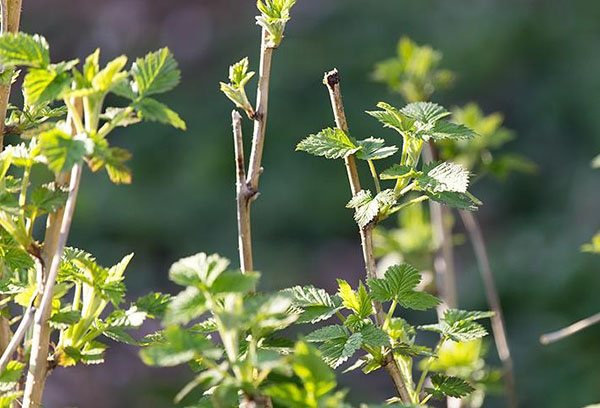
{"x": 235, "y": 89}
{"x": 151, "y": 109}
{"x": 447, "y": 386}
{"x": 397, "y": 171}
{"x": 373, "y": 336}
{"x": 418, "y": 300}
{"x": 44, "y": 85}
{"x": 397, "y": 279}
{"x": 24, "y": 49}
{"x": 48, "y": 199}
{"x": 198, "y": 269}
{"x": 392, "y": 118}
{"x": 425, "y": 112}
{"x": 61, "y": 150}
{"x": 327, "y": 333}
{"x": 186, "y": 306}
{"x": 445, "y": 176}
{"x": 460, "y": 325}
{"x": 331, "y": 143}
{"x": 180, "y": 346}
{"x": 111, "y": 75}
{"x": 156, "y": 73}
{"x": 461, "y": 201}
{"x": 448, "y": 130}
{"x": 367, "y": 208}
{"x": 64, "y": 318}
{"x": 339, "y": 350}
{"x": 119, "y": 334}
{"x": 154, "y": 304}
{"x": 316, "y": 304}
{"x": 374, "y": 149}
{"x": 235, "y": 282}
{"x": 274, "y": 16}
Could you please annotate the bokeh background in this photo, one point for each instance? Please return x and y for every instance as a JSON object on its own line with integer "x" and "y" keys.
{"x": 537, "y": 61}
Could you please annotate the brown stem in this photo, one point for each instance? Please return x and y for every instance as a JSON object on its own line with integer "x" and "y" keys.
{"x": 57, "y": 231}
{"x": 443, "y": 261}
{"x": 260, "y": 117}
{"x": 569, "y": 330}
{"x": 332, "y": 81}
{"x": 498, "y": 326}
{"x": 13, "y": 18}
{"x": 243, "y": 196}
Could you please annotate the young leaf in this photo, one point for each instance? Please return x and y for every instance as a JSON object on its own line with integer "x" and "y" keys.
{"x": 359, "y": 302}
{"x": 151, "y": 109}
{"x": 274, "y": 16}
{"x": 397, "y": 171}
{"x": 186, "y": 306}
{"x": 460, "y": 325}
{"x": 24, "y": 49}
{"x": 447, "y": 386}
{"x": 235, "y": 90}
{"x": 373, "y": 336}
{"x": 444, "y": 177}
{"x": 198, "y": 269}
{"x": 156, "y": 73}
{"x": 61, "y": 150}
{"x": 339, "y": 350}
{"x": 331, "y": 143}
{"x": 327, "y": 333}
{"x": 424, "y": 112}
{"x": 180, "y": 346}
{"x": 392, "y": 118}
{"x": 374, "y": 149}
{"x": 48, "y": 198}
{"x": 461, "y": 201}
{"x": 234, "y": 282}
{"x": 367, "y": 208}
{"x": 111, "y": 75}
{"x": 316, "y": 304}
{"x": 44, "y": 85}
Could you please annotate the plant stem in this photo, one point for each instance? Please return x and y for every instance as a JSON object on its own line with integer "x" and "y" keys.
{"x": 427, "y": 367}
{"x": 260, "y": 117}
{"x": 332, "y": 81}
{"x": 57, "y": 231}
{"x": 16, "y": 339}
{"x": 243, "y": 196}
{"x": 498, "y": 326}
{"x": 11, "y": 10}
{"x": 443, "y": 261}
{"x": 375, "y": 176}
{"x": 569, "y": 330}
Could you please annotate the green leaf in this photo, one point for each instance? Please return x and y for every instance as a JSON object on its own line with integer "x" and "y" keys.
{"x": 119, "y": 334}
{"x": 359, "y": 302}
{"x": 374, "y": 149}
{"x": 48, "y": 198}
{"x": 425, "y": 112}
{"x": 24, "y": 49}
{"x": 198, "y": 269}
{"x": 179, "y": 346}
{"x": 111, "y": 75}
{"x": 373, "y": 336}
{"x": 448, "y": 130}
{"x": 392, "y": 118}
{"x": 442, "y": 177}
{"x": 235, "y": 282}
{"x": 460, "y": 325}
{"x": 151, "y": 109}
{"x": 316, "y": 304}
{"x": 339, "y": 350}
{"x": 447, "y": 386}
{"x": 156, "y": 73}
{"x": 399, "y": 284}
{"x": 461, "y": 201}
{"x": 274, "y": 16}
{"x": 235, "y": 90}
{"x": 331, "y": 143}
{"x": 64, "y": 318}
{"x": 367, "y": 208}
{"x": 186, "y": 306}
{"x": 44, "y": 85}
{"x": 327, "y": 333}
{"x": 397, "y": 171}
{"x": 154, "y": 304}
{"x": 61, "y": 150}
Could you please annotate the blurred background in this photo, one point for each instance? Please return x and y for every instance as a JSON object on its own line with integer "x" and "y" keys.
{"x": 537, "y": 61}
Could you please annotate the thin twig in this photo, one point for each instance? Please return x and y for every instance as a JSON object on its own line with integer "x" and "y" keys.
{"x": 332, "y": 81}
{"x": 243, "y": 196}
{"x": 498, "y": 325}
{"x": 11, "y": 17}
{"x": 260, "y": 117}
{"x": 569, "y": 330}
{"x": 18, "y": 336}
{"x": 443, "y": 261}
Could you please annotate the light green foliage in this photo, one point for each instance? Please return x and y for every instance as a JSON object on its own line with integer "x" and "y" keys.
{"x": 399, "y": 285}
{"x": 480, "y": 154}
{"x": 313, "y": 304}
{"x": 414, "y": 72}
{"x": 596, "y": 162}
{"x": 235, "y": 90}
{"x": 24, "y": 49}
{"x": 273, "y": 18}
{"x": 367, "y": 208}
{"x": 331, "y": 143}
{"x": 446, "y": 386}
{"x": 460, "y": 325}
{"x": 9, "y": 382}
{"x": 593, "y": 246}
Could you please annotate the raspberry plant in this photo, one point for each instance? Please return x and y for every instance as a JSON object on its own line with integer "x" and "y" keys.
{"x": 64, "y": 300}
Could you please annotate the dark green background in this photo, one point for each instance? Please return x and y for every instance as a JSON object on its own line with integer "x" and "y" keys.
{"x": 538, "y": 61}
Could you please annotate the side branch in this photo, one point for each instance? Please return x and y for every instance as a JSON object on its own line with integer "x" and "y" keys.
{"x": 332, "y": 81}
{"x": 243, "y": 196}
{"x": 260, "y": 117}
{"x": 569, "y": 330}
{"x": 498, "y": 326}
